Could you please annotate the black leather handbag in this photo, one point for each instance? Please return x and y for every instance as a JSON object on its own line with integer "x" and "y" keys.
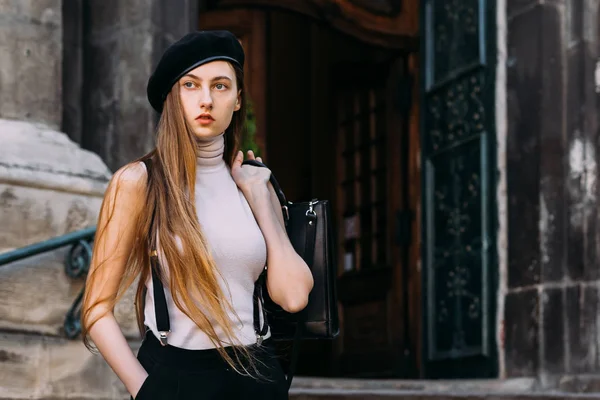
{"x": 309, "y": 229}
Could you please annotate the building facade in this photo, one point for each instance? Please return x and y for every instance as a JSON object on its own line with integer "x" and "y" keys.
{"x": 456, "y": 139}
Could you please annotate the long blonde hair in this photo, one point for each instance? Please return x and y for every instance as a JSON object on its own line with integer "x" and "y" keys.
{"x": 170, "y": 192}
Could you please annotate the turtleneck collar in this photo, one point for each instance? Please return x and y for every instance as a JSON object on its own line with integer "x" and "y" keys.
{"x": 210, "y": 153}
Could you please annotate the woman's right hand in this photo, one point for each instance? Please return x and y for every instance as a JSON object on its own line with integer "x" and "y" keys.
{"x": 248, "y": 177}
{"x": 108, "y": 338}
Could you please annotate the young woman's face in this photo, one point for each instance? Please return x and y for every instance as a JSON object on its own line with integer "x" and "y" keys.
{"x": 210, "y": 96}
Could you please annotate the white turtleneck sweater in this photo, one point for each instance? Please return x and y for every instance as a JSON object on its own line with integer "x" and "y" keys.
{"x": 238, "y": 248}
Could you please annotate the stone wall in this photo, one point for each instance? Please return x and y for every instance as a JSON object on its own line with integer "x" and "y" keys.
{"x": 551, "y": 310}
{"x": 87, "y": 78}
{"x": 49, "y": 186}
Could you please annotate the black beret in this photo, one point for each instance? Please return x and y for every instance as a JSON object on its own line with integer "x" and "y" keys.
{"x": 189, "y": 52}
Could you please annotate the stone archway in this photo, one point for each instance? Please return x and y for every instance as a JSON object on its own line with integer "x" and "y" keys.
{"x": 385, "y": 23}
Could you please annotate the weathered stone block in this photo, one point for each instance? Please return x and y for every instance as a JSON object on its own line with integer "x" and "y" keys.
{"x": 522, "y": 323}
{"x": 523, "y": 180}
{"x": 37, "y": 367}
{"x": 30, "y": 68}
{"x": 36, "y": 293}
{"x": 29, "y": 215}
{"x": 33, "y": 155}
{"x": 48, "y": 187}
{"x": 553, "y": 338}
{"x": 582, "y": 326}
{"x": 34, "y": 10}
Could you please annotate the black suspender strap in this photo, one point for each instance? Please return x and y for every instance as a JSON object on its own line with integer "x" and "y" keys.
{"x": 161, "y": 310}
{"x": 160, "y": 303}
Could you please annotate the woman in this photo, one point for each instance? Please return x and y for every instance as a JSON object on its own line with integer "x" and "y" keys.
{"x": 209, "y": 226}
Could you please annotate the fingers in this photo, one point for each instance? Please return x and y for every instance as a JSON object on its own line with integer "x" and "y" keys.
{"x": 239, "y": 158}
{"x": 251, "y": 156}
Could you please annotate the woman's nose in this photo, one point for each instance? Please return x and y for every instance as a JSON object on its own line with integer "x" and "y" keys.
{"x": 205, "y": 101}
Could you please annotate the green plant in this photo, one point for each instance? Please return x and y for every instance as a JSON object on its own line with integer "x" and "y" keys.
{"x": 249, "y": 132}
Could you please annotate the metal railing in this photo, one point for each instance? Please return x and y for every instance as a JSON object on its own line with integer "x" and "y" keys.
{"x": 77, "y": 264}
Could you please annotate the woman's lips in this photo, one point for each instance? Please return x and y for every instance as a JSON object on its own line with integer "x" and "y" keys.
{"x": 205, "y": 120}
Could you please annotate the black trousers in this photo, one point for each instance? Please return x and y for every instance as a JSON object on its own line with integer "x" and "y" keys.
{"x": 177, "y": 374}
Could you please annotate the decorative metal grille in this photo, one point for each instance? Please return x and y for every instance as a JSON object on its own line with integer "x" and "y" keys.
{"x": 456, "y": 186}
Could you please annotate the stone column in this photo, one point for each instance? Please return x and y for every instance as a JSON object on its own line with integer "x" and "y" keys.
{"x": 123, "y": 43}
{"x": 551, "y": 308}
{"x": 48, "y": 187}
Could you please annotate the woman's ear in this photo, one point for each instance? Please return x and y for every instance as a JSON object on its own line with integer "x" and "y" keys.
{"x": 238, "y": 101}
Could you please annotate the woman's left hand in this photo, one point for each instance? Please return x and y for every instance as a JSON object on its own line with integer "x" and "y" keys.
{"x": 247, "y": 177}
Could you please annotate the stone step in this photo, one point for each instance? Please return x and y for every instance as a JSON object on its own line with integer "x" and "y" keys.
{"x": 353, "y": 389}
{"x": 331, "y": 394}
{"x": 439, "y": 396}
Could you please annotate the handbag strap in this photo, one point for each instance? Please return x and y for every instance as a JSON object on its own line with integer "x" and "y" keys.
{"x": 258, "y": 306}
{"x": 309, "y": 252}
{"x": 161, "y": 309}
{"x": 309, "y": 256}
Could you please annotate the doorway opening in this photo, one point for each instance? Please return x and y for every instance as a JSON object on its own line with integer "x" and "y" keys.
{"x": 342, "y": 110}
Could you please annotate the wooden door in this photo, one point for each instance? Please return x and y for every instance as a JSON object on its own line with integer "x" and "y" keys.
{"x": 459, "y": 212}
{"x": 373, "y": 109}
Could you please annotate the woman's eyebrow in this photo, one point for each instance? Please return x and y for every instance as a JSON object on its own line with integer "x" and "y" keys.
{"x": 216, "y": 78}
{"x": 192, "y": 76}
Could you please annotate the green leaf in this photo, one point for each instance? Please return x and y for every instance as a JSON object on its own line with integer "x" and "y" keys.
{"x": 248, "y": 136}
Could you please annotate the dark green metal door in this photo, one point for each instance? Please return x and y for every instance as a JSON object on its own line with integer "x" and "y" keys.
{"x": 459, "y": 192}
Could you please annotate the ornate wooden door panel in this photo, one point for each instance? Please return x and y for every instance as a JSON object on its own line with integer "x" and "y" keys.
{"x": 459, "y": 220}
{"x": 373, "y": 342}
{"x": 363, "y": 214}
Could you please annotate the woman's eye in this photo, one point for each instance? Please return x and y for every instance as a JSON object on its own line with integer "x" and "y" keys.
{"x": 189, "y": 84}
{"x": 220, "y": 86}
